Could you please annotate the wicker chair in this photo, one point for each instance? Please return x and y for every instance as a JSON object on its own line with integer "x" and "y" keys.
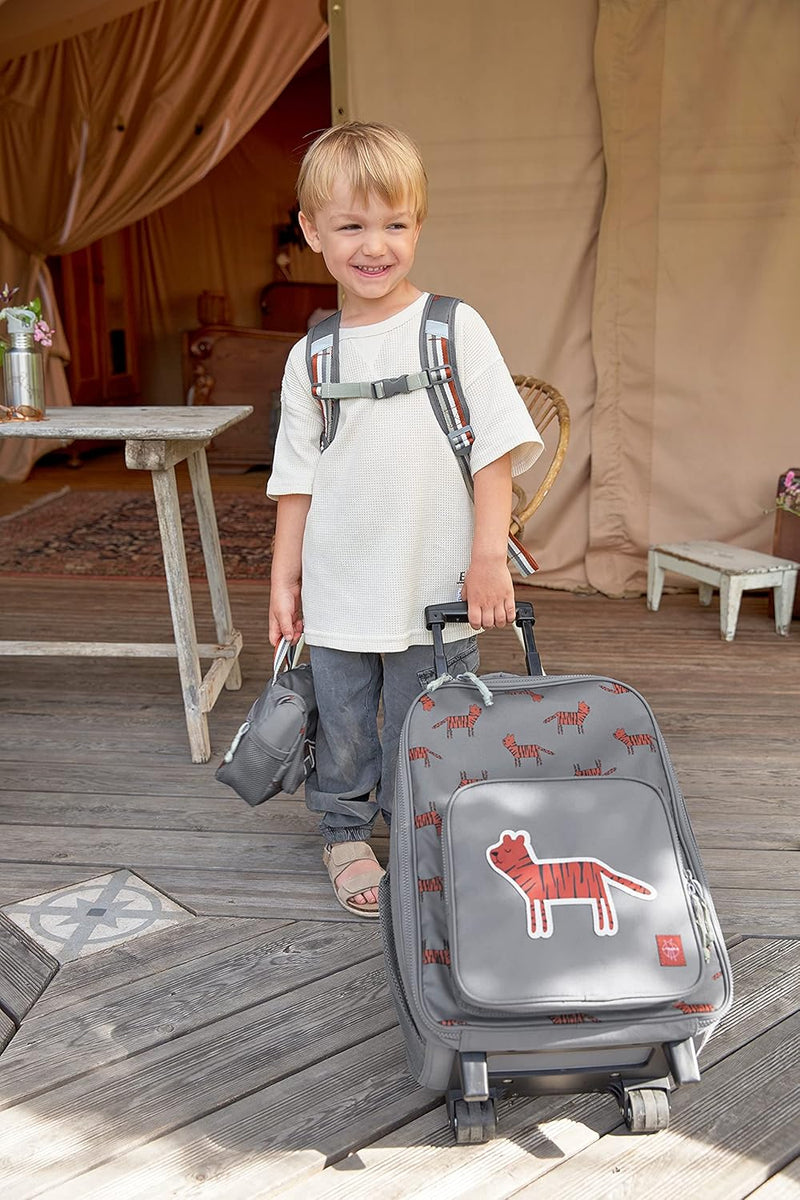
{"x": 545, "y": 404}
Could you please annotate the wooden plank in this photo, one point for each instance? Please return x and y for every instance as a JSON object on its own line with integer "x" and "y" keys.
{"x": 53, "y": 648}
{"x": 255, "y": 1146}
{"x": 145, "y": 848}
{"x": 277, "y": 893}
{"x": 785, "y": 1185}
{"x": 70, "y": 1042}
{"x": 7, "y": 1029}
{"x": 139, "y": 958}
{"x": 226, "y": 812}
{"x": 25, "y": 970}
{"x": 132, "y": 421}
{"x": 724, "y": 1139}
{"x": 170, "y": 524}
{"x": 765, "y": 913}
{"x": 212, "y": 555}
{"x": 274, "y": 1066}
{"x": 752, "y": 870}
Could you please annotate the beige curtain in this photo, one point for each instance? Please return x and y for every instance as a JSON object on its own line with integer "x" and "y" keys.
{"x": 661, "y": 296}
{"x": 103, "y": 128}
{"x": 696, "y": 303}
{"x": 501, "y": 100}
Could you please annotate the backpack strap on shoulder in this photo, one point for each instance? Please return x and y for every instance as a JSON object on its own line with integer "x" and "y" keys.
{"x": 437, "y": 352}
{"x": 322, "y": 362}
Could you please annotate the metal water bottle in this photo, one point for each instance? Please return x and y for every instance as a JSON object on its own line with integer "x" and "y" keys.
{"x": 23, "y": 371}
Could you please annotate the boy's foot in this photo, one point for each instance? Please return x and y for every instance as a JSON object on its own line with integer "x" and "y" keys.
{"x": 355, "y": 874}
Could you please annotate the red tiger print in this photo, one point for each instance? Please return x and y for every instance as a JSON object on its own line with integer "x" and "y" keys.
{"x": 465, "y": 778}
{"x": 694, "y": 1008}
{"x": 631, "y": 740}
{"x": 526, "y": 751}
{"x": 597, "y": 769}
{"x": 574, "y": 1019}
{"x": 461, "y": 721}
{"x": 618, "y": 689}
{"x": 526, "y": 692}
{"x": 433, "y": 884}
{"x": 439, "y": 955}
{"x": 576, "y": 717}
{"x": 427, "y": 702}
{"x": 431, "y": 817}
{"x": 549, "y": 881}
{"x": 422, "y": 753}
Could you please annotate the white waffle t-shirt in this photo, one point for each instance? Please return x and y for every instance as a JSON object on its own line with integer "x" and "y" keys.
{"x": 390, "y": 525}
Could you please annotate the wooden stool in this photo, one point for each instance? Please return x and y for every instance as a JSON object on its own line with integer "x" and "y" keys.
{"x": 731, "y": 569}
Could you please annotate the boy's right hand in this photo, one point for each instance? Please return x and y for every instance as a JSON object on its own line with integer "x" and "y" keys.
{"x": 284, "y": 614}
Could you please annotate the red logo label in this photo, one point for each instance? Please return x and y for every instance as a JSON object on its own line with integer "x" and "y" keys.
{"x": 670, "y": 950}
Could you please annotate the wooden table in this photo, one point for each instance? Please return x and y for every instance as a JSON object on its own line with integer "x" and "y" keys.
{"x": 156, "y": 439}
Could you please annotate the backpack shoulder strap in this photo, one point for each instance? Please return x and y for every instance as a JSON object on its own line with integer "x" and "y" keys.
{"x": 322, "y": 362}
{"x": 437, "y": 350}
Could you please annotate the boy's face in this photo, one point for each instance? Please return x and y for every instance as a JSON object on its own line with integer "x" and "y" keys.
{"x": 368, "y": 245}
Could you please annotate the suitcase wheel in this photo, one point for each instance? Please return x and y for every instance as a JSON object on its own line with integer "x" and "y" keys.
{"x": 646, "y": 1110}
{"x": 473, "y": 1120}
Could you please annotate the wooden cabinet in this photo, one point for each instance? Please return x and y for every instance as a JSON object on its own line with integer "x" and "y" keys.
{"x": 94, "y": 289}
{"x": 228, "y": 364}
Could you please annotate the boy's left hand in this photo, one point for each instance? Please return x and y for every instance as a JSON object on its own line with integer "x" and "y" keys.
{"x": 489, "y": 592}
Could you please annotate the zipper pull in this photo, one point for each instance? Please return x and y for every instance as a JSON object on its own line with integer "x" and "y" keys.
{"x": 240, "y": 732}
{"x": 701, "y": 913}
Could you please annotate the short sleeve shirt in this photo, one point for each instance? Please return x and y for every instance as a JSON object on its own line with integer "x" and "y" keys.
{"x": 390, "y": 525}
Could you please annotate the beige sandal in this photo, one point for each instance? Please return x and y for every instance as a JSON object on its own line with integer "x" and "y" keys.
{"x": 338, "y": 856}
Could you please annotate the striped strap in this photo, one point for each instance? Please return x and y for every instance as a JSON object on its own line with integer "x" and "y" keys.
{"x": 450, "y": 405}
{"x": 322, "y": 361}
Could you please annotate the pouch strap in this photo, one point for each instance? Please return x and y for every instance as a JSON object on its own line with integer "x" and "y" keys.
{"x": 287, "y": 655}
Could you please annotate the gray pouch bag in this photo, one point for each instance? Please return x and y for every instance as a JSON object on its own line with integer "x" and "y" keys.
{"x": 273, "y": 750}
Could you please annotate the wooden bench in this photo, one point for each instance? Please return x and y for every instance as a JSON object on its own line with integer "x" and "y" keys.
{"x": 731, "y": 569}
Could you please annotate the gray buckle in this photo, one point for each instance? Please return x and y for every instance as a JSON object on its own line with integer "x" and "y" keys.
{"x": 461, "y": 439}
{"x": 382, "y": 388}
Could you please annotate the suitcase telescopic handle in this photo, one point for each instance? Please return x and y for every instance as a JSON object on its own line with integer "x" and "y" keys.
{"x": 437, "y": 616}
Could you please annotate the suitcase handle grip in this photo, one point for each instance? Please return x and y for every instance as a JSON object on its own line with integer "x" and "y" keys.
{"x": 437, "y": 616}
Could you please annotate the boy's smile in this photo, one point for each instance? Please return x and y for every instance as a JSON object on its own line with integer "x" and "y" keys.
{"x": 368, "y": 246}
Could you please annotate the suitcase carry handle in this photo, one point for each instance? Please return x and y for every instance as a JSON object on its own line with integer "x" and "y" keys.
{"x": 437, "y": 616}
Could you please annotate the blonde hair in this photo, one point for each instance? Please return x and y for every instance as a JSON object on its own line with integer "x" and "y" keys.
{"x": 372, "y": 159}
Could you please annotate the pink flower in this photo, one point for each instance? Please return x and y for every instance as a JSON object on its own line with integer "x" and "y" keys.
{"x": 43, "y": 333}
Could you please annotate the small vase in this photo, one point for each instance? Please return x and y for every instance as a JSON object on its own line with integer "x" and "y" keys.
{"x": 23, "y": 371}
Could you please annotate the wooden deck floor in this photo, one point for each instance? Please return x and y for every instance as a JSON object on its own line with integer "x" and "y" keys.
{"x": 252, "y": 1050}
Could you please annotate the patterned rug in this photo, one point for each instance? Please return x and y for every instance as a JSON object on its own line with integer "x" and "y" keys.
{"x": 85, "y": 534}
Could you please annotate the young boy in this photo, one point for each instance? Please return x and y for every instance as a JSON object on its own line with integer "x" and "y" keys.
{"x": 380, "y": 524}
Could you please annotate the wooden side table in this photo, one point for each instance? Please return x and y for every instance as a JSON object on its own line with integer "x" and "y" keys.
{"x": 156, "y": 439}
{"x": 731, "y": 569}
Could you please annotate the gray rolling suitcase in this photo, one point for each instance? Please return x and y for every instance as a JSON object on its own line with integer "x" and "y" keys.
{"x": 546, "y": 920}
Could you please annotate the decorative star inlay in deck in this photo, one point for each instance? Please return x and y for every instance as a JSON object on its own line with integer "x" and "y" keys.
{"x": 86, "y": 917}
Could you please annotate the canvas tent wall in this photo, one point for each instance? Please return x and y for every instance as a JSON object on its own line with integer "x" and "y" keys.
{"x": 614, "y": 184}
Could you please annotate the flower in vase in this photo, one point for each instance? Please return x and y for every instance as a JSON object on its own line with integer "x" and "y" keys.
{"x": 23, "y": 318}
{"x": 43, "y": 333}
